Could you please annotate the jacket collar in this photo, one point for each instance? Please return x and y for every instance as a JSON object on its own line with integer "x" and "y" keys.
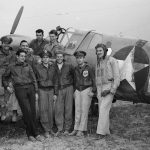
{"x": 21, "y": 64}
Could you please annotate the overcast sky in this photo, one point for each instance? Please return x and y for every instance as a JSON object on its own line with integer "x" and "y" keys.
{"x": 130, "y": 18}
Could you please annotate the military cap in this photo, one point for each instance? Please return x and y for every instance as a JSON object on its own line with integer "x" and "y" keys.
{"x": 80, "y": 53}
{"x": 6, "y": 39}
{"x": 60, "y": 52}
{"x": 47, "y": 53}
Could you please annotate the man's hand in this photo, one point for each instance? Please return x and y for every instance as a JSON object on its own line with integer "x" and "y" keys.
{"x": 55, "y": 98}
{"x": 36, "y": 96}
{"x": 90, "y": 94}
{"x": 10, "y": 89}
{"x": 30, "y": 50}
{"x": 105, "y": 92}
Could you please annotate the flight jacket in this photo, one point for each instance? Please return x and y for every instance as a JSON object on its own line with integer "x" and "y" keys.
{"x": 65, "y": 76}
{"x": 46, "y": 77}
{"x": 21, "y": 75}
{"x": 84, "y": 77}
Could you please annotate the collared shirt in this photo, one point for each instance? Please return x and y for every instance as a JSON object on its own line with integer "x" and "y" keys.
{"x": 60, "y": 66}
{"x": 21, "y": 74}
{"x": 38, "y": 48}
{"x": 52, "y": 47}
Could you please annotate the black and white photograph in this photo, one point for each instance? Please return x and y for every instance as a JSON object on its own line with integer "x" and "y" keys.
{"x": 75, "y": 75}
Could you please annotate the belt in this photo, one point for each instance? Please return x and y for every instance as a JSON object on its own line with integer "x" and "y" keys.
{"x": 23, "y": 85}
{"x": 81, "y": 88}
{"x": 47, "y": 88}
{"x": 60, "y": 87}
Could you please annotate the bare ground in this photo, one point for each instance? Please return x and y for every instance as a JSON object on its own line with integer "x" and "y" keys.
{"x": 130, "y": 127}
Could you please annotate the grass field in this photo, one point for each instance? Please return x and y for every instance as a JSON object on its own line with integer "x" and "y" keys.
{"x": 130, "y": 128}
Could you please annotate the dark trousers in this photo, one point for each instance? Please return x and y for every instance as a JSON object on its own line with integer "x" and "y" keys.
{"x": 26, "y": 100}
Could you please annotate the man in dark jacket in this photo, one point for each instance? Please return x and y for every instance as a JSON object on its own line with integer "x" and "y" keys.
{"x": 84, "y": 82}
{"x": 46, "y": 78}
{"x": 25, "y": 86}
{"x": 64, "y": 102}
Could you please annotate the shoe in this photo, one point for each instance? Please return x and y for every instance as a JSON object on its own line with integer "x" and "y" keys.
{"x": 52, "y": 133}
{"x": 14, "y": 118}
{"x": 58, "y": 133}
{"x": 80, "y": 133}
{"x": 39, "y": 138}
{"x": 66, "y": 132}
{"x": 46, "y": 135}
{"x": 74, "y": 132}
{"x": 99, "y": 137}
{"x": 32, "y": 139}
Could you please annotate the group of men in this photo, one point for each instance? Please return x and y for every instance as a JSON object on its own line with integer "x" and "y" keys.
{"x": 39, "y": 74}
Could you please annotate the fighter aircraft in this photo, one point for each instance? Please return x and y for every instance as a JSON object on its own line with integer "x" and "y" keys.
{"x": 132, "y": 54}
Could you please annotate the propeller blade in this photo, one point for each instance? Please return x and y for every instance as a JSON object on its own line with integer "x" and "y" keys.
{"x": 15, "y": 24}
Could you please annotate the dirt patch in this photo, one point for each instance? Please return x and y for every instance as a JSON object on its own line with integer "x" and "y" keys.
{"x": 130, "y": 128}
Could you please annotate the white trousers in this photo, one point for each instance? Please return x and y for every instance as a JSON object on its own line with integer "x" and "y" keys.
{"x": 82, "y": 105}
{"x": 104, "y": 104}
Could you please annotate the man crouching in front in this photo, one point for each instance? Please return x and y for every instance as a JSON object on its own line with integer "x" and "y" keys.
{"x": 25, "y": 86}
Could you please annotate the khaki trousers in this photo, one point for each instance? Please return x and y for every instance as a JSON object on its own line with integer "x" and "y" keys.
{"x": 82, "y": 105}
{"x": 104, "y": 104}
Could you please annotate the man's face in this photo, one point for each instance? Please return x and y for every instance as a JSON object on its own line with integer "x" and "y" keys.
{"x": 53, "y": 38}
{"x": 24, "y": 46}
{"x": 45, "y": 60}
{"x": 21, "y": 57}
{"x": 39, "y": 36}
{"x": 5, "y": 46}
{"x": 59, "y": 58}
{"x": 100, "y": 52}
{"x": 80, "y": 60}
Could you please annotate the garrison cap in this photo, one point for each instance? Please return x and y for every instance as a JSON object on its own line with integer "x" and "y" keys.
{"x": 80, "y": 53}
{"x": 47, "y": 53}
{"x": 6, "y": 39}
